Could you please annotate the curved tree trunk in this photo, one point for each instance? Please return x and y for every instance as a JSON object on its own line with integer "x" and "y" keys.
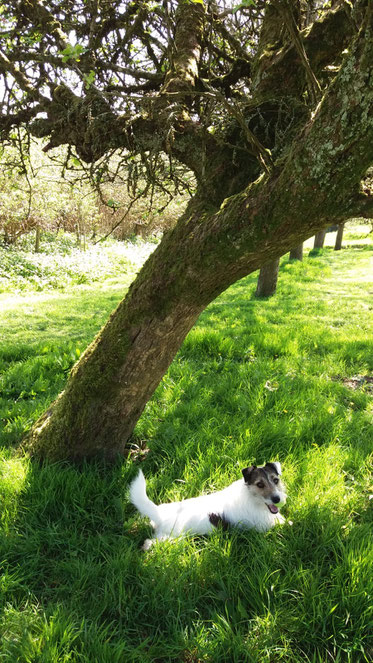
{"x": 338, "y": 239}
{"x": 319, "y": 239}
{"x": 205, "y": 253}
{"x": 297, "y": 253}
{"x": 267, "y": 279}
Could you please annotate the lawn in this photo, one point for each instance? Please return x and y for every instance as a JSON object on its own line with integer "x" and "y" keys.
{"x": 256, "y": 380}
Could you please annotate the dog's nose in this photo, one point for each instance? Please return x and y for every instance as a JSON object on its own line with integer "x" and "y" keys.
{"x": 275, "y": 499}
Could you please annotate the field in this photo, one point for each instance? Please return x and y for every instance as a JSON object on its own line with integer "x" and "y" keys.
{"x": 289, "y": 379}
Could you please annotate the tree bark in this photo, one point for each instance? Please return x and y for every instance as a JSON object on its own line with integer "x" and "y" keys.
{"x": 37, "y": 239}
{"x": 267, "y": 279}
{"x": 297, "y": 253}
{"x": 208, "y": 250}
{"x": 338, "y": 239}
{"x": 319, "y": 239}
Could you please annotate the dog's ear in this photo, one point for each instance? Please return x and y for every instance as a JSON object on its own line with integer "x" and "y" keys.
{"x": 275, "y": 466}
{"x": 247, "y": 473}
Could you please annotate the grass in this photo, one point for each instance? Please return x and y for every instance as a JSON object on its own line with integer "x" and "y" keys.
{"x": 253, "y": 381}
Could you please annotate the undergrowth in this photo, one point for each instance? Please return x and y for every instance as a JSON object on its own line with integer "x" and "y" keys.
{"x": 60, "y": 263}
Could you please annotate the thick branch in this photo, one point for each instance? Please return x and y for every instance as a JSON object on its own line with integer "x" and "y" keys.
{"x": 184, "y": 69}
{"x": 187, "y": 47}
{"x": 279, "y": 72}
{"x": 39, "y": 16}
{"x": 313, "y": 83}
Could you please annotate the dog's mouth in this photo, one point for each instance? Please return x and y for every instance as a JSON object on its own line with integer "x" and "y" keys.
{"x": 272, "y": 508}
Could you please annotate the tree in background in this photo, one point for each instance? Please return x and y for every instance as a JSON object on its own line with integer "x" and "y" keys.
{"x": 339, "y": 237}
{"x": 275, "y": 123}
{"x": 267, "y": 279}
{"x": 319, "y": 239}
{"x": 297, "y": 252}
{"x": 35, "y": 197}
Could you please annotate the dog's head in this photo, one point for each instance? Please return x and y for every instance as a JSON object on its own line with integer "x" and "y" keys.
{"x": 265, "y": 484}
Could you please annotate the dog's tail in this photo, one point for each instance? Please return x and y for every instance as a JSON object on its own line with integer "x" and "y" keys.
{"x": 140, "y": 499}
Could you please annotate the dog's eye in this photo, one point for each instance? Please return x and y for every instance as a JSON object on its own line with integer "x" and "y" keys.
{"x": 260, "y": 484}
{"x": 275, "y": 480}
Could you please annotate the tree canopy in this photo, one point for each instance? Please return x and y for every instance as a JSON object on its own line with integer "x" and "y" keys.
{"x": 169, "y": 82}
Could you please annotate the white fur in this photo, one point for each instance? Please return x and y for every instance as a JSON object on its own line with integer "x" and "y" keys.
{"x": 239, "y": 504}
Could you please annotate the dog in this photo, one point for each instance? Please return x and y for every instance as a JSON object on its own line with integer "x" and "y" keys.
{"x": 250, "y": 502}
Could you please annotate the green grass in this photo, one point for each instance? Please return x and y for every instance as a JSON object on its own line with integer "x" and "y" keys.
{"x": 253, "y": 381}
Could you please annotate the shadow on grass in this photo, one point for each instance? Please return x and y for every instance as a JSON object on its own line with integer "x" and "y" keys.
{"x": 253, "y": 380}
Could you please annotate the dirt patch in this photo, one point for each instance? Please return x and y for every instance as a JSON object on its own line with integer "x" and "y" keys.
{"x": 364, "y": 382}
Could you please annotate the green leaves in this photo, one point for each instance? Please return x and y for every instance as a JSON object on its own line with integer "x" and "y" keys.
{"x": 244, "y": 5}
{"x": 89, "y": 78}
{"x": 73, "y": 52}
{"x": 114, "y": 204}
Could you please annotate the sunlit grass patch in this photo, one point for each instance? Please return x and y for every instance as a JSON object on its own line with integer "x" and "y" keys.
{"x": 13, "y": 473}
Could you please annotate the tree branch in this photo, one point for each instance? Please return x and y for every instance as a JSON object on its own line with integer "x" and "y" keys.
{"x": 263, "y": 155}
{"x": 313, "y": 83}
{"x": 276, "y": 73}
{"x": 38, "y": 15}
{"x": 21, "y": 79}
{"x": 187, "y": 51}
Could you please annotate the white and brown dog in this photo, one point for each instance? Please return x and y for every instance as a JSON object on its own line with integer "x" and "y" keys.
{"x": 251, "y": 502}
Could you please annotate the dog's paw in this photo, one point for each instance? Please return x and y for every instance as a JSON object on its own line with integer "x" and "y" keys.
{"x": 217, "y": 520}
{"x": 147, "y": 544}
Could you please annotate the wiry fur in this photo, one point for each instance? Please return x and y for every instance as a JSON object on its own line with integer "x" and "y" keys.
{"x": 250, "y": 502}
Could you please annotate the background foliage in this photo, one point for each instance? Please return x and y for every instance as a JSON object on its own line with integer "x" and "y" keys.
{"x": 37, "y": 191}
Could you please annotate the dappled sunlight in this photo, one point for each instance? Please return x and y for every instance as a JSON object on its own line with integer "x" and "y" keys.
{"x": 232, "y": 129}
{"x": 13, "y": 476}
{"x": 13, "y": 473}
{"x": 320, "y": 481}
{"x": 267, "y": 368}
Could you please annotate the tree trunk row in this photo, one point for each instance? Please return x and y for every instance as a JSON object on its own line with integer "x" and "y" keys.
{"x": 268, "y": 274}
